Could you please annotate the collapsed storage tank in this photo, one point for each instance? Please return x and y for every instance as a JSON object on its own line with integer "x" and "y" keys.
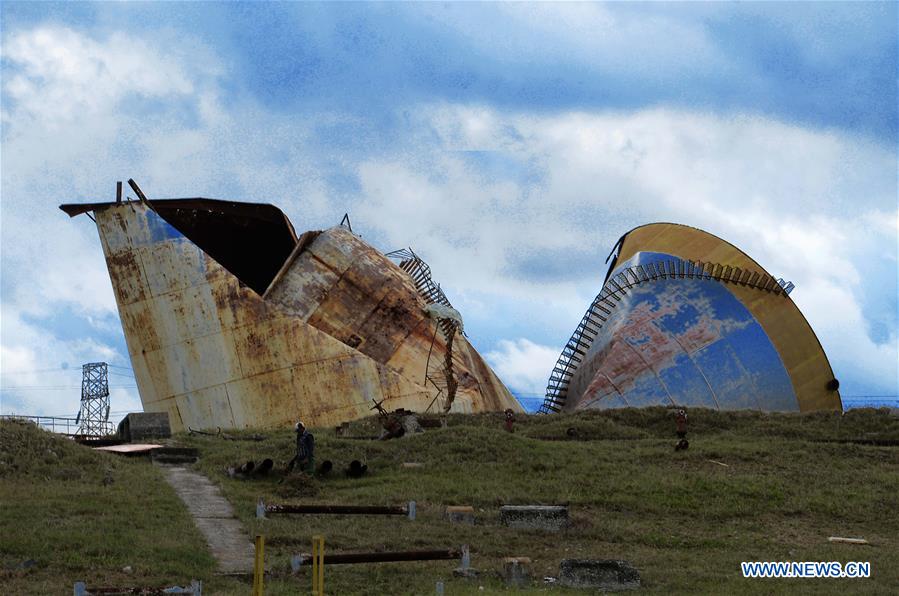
{"x": 233, "y": 321}
{"x": 685, "y": 318}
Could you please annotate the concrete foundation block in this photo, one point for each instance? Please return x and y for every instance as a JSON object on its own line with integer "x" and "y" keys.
{"x": 460, "y": 514}
{"x": 601, "y": 574}
{"x": 552, "y": 518}
{"x": 140, "y": 426}
{"x": 517, "y": 571}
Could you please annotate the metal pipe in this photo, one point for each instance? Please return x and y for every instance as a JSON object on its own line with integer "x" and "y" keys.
{"x": 338, "y": 509}
{"x": 388, "y": 557}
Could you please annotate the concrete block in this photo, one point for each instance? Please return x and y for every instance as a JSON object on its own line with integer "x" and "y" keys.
{"x": 602, "y": 574}
{"x": 139, "y": 426}
{"x": 517, "y": 571}
{"x": 460, "y": 514}
{"x": 552, "y": 518}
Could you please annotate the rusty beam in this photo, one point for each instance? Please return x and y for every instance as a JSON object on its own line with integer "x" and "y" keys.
{"x": 408, "y": 509}
{"x": 385, "y": 557}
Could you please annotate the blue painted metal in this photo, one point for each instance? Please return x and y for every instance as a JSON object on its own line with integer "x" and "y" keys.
{"x": 680, "y": 340}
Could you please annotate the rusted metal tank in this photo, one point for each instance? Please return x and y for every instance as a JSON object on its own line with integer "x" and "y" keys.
{"x": 687, "y": 319}
{"x": 233, "y": 321}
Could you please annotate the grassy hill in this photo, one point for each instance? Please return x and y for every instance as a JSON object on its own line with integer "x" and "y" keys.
{"x": 686, "y": 521}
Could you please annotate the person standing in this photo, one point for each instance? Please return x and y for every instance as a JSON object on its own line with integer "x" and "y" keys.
{"x": 305, "y": 456}
{"x": 681, "y": 421}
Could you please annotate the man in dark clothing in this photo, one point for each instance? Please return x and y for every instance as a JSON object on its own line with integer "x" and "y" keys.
{"x": 681, "y": 420}
{"x": 305, "y": 456}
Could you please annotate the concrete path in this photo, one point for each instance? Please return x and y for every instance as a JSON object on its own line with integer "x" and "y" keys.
{"x": 212, "y": 513}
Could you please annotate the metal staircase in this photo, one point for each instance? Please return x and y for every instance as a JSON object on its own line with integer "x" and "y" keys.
{"x": 610, "y": 296}
{"x": 439, "y": 374}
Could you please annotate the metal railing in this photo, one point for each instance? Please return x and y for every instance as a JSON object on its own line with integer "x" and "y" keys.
{"x": 70, "y": 427}
{"x": 613, "y": 291}
{"x": 439, "y": 374}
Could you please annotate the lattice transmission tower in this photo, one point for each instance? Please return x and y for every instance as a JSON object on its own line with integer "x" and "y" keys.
{"x": 93, "y": 416}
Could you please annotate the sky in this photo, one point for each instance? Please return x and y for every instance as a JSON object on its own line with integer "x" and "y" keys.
{"x": 510, "y": 145}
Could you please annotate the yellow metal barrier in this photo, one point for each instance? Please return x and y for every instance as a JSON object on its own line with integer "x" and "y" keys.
{"x": 259, "y": 567}
{"x": 318, "y": 566}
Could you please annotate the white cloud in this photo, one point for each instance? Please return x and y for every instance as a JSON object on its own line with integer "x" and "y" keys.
{"x": 63, "y": 75}
{"x": 523, "y": 365}
{"x": 515, "y": 212}
{"x": 40, "y": 374}
{"x": 812, "y": 206}
{"x": 81, "y": 111}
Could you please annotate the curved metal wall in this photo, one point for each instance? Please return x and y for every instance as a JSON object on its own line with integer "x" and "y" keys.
{"x": 686, "y": 318}
{"x": 339, "y": 326}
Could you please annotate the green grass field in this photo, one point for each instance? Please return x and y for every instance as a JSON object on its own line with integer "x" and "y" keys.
{"x": 683, "y": 519}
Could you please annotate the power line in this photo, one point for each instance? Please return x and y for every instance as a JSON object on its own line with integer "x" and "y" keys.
{"x": 58, "y": 387}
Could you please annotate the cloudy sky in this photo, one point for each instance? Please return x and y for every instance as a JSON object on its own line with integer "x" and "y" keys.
{"x": 508, "y": 144}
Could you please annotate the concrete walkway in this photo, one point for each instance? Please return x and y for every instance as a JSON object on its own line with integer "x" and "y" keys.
{"x": 212, "y": 513}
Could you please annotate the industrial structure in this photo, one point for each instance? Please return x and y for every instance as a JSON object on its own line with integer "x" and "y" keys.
{"x": 232, "y": 320}
{"x": 687, "y": 319}
{"x": 93, "y": 415}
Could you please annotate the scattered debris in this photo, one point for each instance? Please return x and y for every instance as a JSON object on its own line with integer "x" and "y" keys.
{"x": 460, "y": 514}
{"x": 195, "y": 588}
{"x": 603, "y": 574}
{"x": 848, "y": 540}
{"x": 396, "y": 424}
{"x": 250, "y": 469}
{"x": 516, "y": 571}
{"x": 134, "y": 449}
{"x": 410, "y": 423}
{"x": 356, "y": 469}
{"x": 535, "y": 517}
{"x": 719, "y": 463}
{"x": 411, "y": 464}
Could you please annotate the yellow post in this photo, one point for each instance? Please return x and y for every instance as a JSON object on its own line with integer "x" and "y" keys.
{"x": 318, "y": 566}
{"x": 259, "y": 567}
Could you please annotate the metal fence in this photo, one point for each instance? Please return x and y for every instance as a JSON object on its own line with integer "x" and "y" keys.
{"x": 62, "y": 426}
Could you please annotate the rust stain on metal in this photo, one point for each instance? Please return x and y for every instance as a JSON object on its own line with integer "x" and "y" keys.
{"x": 313, "y": 327}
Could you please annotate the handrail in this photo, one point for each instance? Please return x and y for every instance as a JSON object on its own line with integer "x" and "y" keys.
{"x": 610, "y": 295}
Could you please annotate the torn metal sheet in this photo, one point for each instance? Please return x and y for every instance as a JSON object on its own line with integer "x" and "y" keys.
{"x": 232, "y": 321}
{"x": 130, "y": 448}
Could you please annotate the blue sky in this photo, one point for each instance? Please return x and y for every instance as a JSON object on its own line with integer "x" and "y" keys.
{"x": 509, "y": 144}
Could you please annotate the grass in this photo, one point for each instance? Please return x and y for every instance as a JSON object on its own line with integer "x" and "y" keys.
{"x": 81, "y": 514}
{"x": 685, "y": 521}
